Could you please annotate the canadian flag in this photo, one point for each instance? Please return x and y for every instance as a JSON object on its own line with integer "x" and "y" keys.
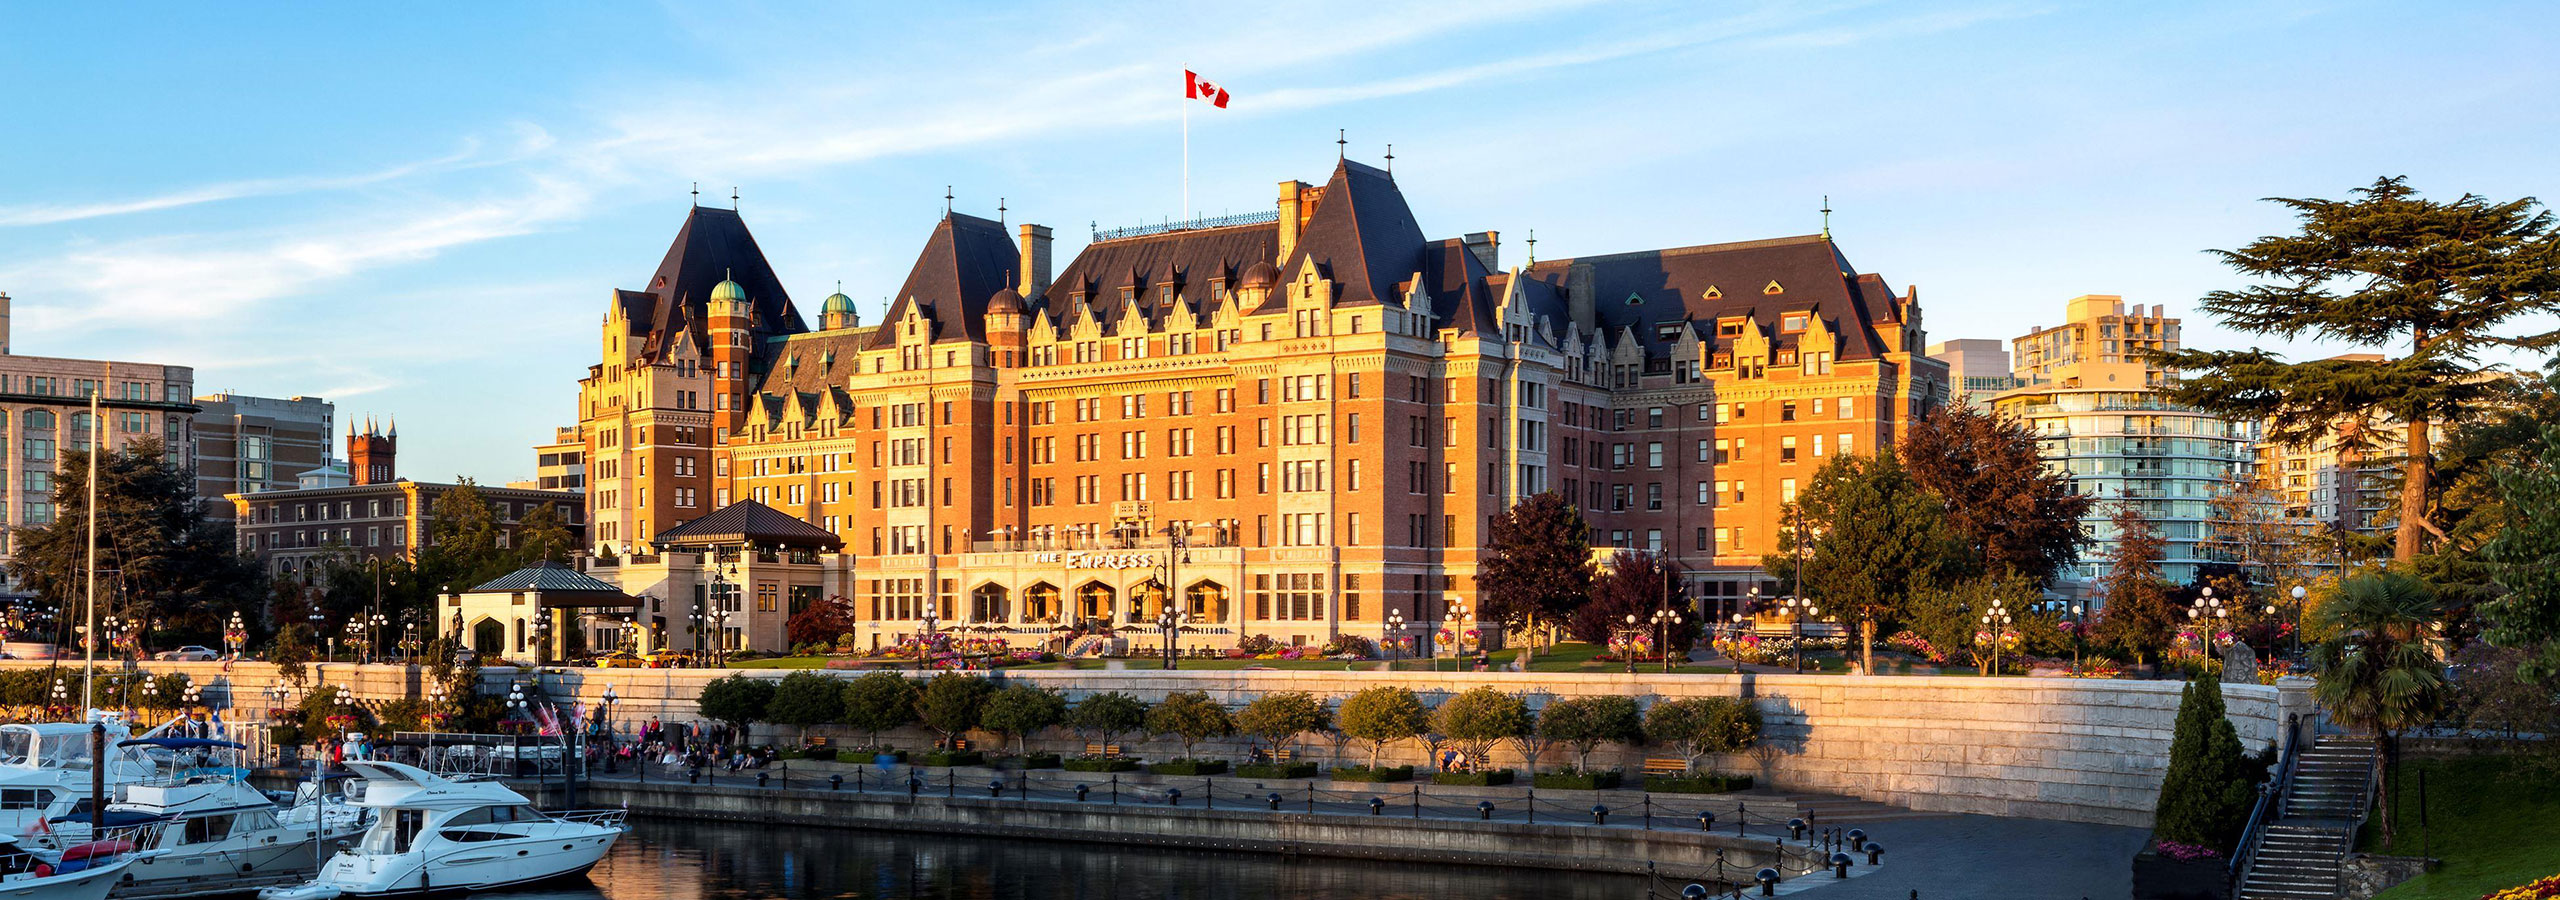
{"x": 1197, "y": 88}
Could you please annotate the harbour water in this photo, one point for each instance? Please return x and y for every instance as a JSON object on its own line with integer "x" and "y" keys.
{"x": 676, "y": 860}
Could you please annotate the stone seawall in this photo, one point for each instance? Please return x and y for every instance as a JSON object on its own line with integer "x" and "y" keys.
{"x": 1684, "y": 855}
{"x": 2070, "y": 749}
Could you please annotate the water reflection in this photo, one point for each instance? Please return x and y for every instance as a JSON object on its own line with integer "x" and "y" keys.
{"x": 664, "y": 860}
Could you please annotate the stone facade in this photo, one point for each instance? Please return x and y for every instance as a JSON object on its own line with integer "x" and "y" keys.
{"x": 2068, "y": 749}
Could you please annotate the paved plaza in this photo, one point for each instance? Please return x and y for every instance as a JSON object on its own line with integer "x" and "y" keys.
{"x": 1993, "y": 858}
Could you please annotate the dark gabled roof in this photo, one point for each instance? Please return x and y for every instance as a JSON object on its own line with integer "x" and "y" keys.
{"x": 813, "y": 350}
{"x": 713, "y": 245}
{"x": 1456, "y": 279}
{"x": 965, "y": 262}
{"x": 1193, "y": 258}
{"x": 1362, "y": 235}
{"x": 548, "y": 578}
{"x": 1672, "y": 285}
{"x": 747, "y": 521}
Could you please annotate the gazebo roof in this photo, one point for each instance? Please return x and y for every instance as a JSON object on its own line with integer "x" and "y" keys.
{"x": 749, "y": 522}
{"x": 558, "y": 585}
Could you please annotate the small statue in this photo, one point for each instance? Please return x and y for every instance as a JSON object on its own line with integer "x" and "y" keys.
{"x": 2239, "y": 664}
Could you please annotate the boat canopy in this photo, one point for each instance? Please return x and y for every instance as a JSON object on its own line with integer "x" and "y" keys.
{"x": 182, "y": 743}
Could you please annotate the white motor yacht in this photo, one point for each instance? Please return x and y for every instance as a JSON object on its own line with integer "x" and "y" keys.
{"x": 36, "y": 875}
{"x": 436, "y": 835}
{"x": 45, "y": 770}
{"x": 202, "y": 831}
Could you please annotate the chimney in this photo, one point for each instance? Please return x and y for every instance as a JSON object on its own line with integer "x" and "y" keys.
{"x": 1487, "y": 246}
{"x": 1035, "y": 261}
{"x": 1582, "y": 296}
{"x": 1291, "y": 193}
{"x": 4, "y": 323}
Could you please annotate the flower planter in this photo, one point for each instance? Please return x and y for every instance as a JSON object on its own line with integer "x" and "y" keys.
{"x": 2161, "y": 877}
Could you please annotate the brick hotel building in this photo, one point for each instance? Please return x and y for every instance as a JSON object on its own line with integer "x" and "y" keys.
{"x": 1287, "y": 424}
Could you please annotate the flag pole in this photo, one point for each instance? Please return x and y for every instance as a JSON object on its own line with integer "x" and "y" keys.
{"x": 1186, "y": 149}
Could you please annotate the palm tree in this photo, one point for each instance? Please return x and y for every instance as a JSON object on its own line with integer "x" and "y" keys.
{"x": 2377, "y": 672}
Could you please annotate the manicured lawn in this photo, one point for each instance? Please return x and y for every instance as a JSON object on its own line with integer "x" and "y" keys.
{"x": 2490, "y": 819}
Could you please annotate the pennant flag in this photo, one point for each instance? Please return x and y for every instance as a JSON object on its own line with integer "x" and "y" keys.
{"x": 1195, "y": 87}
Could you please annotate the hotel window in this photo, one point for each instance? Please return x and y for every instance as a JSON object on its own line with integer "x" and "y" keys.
{"x": 1351, "y": 428}
{"x": 1845, "y": 408}
{"x": 1449, "y": 478}
{"x": 1844, "y": 443}
{"x": 1787, "y": 449}
{"x": 1653, "y": 454}
{"x": 1706, "y": 495}
{"x": 1786, "y": 490}
{"x": 1724, "y": 452}
{"x": 1351, "y": 474}
{"x": 1705, "y": 454}
{"x": 1817, "y": 446}
{"x": 1653, "y": 496}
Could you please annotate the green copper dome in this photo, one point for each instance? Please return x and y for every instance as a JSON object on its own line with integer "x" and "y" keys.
{"x": 836, "y": 303}
{"x": 728, "y": 290}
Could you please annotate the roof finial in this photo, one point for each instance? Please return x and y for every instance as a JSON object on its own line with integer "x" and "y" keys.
{"x": 999, "y": 212}
{"x": 1391, "y": 159}
{"x": 946, "y": 199}
{"x": 1533, "y": 246}
{"x": 1341, "y": 143}
{"x": 697, "y": 193}
{"x": 1826, "y": 217}
{"x": 733, "y": 198}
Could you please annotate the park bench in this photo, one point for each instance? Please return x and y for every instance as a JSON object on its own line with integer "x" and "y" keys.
{"x": 1102, "y": 750}
{"x": 1666, "y": 767}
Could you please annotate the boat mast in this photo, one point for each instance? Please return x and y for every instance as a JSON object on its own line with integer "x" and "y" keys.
{"x": 89, "y": 635}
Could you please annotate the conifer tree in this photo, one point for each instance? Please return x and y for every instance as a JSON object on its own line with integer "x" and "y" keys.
{"x": 2137, "y": 616}
{"x": 2434, "y": 283}
{"x": 2205, "y": 797}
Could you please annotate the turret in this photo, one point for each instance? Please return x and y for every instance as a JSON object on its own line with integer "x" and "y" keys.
{"x": 838, "y": 312}
{"x": 728, "y": 315}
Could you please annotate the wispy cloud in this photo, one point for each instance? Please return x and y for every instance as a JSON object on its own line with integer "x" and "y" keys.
{"x": 55, "y": 214}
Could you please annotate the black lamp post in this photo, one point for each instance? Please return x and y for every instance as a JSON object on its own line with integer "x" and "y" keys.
{"x": 1396, "y": 626}
{"x": 1995, "y": 622}
{"x": 1172, "y": 622}
{"x": 1664, "y": 620}
{"x": 2299, "y": 592}
{"x": 609, "y": 698}
{"x": 1798, "y": 608}
{"x": 932, "y": 626}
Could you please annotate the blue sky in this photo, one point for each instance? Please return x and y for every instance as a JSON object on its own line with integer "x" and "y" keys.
{"x": 419, "y": 210}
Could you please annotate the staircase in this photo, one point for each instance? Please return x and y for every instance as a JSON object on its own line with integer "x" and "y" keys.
{"x": 2297, "y": 857}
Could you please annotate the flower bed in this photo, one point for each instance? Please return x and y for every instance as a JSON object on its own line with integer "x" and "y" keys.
{"x": 2545, "y": 889}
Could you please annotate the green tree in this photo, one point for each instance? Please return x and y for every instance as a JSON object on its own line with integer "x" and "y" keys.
{"x": 737, "y": 700}
{"x": 1584, "y": 723}
{"x": 1697, "y": 726}
{"x": 1873, "y": 536}
{"x": 1383, "y": 715}
{"x": 1191, "y": 717}
{"x": 951, "y": 703}
{"x": 2524, "y": 557}
{"x": 1536, "y": 569}
{"x": 543, "y": 536}
{"x": 2378, "y": 673}
{"x": 2016, "y": 515}
{"x": 820, "y": 622}
{"x": 2386, "y": 269}
{"x": 879, "y": 701}
{"x": 1108, "y": 715}
{"x": 168, "y": 560}
{"x": 1481, "y": 717}
{"x": 803, "y": 699}
{"x": 2206, "y": 795}
{"x": 1022, "y": 710}
{"x": 465, "y": 550}
{"x": 1279, "y": 718}
{"x": 2138, "y": 616}
{"x": 292, "y": 653}
{"x": 1950, "y": 616}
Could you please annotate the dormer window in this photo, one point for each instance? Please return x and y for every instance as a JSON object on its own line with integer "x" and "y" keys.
{"x": 1667, "y": 331}
{"x": 1635, "y": 299}
{"x": 1794, "y": 322}
{"x": 1729, "y": 328}
{"x": 1128, "y": 294}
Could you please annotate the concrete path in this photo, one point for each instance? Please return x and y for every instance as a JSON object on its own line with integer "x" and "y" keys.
{"x": 1952, "y": 857}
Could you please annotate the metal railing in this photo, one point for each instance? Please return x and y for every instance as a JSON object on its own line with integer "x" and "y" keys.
{"x": 2270, "y": 803}
{"x": 1251, "y": 218}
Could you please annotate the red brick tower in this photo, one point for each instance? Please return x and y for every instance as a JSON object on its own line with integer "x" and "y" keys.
{"x": 369, "y": 455}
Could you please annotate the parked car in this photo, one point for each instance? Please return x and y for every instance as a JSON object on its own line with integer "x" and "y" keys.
{"x": 670, "y": 659}
{"x": 619, "y": 659}
{"x": 188, "y": 653}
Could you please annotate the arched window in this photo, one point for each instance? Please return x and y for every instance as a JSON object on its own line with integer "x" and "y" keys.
{"x": 1040, "y": 603}
{"x": 39, "y": 420}
{"x": 1147, "y": 601}
{"x": 1094, "y": 602}
{"x": 1206, "y": 600}
{"x": 988, "y": 604}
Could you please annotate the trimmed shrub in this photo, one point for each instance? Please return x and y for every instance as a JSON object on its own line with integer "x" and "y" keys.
{"x": 804, "y": 699}
{"x": 1020, "y": 711}
{"x": 1278, "y": 770}
{"x": 1277, "y": 719}
{"x": 1032, "y": 761}
{"x": 1584, "y": 723}
{"x": 1372, "y": 774}
{"x": 1100, "y": 764}
{"x": 1484, "y": 778}
{"x": 1383, "y": 715}
{"x": 1577, "y": 780}
{"x": 1477, "y": 719}
{"x": 879, "y": 701}
{"x": 1191, "y": 717}
{"x": 943, "y": 759}
{"x": 1108, "y": 715}
{"x": 1190, "y": 767}
{"x": 950, "y": 704}
{"x": 1696, "y": 784}
{"x": 736, "y": 700}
